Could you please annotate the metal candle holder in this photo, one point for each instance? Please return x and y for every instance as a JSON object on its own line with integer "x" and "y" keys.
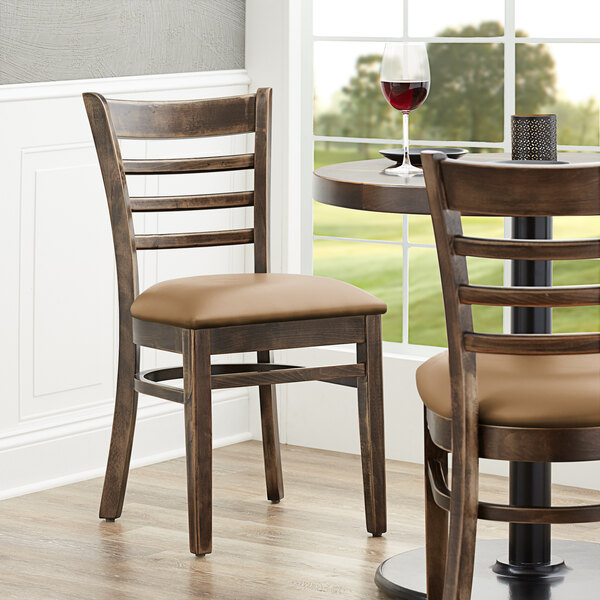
{"x": 533, "y": 137}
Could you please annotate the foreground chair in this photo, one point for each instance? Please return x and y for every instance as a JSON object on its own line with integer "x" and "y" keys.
{"x": 525, "y": 398}
{"x": 220, "y": 314}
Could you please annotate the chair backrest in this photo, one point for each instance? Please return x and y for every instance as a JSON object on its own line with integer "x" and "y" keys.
{"x": 457, "y": 188}
{"x": 111, "y": 120}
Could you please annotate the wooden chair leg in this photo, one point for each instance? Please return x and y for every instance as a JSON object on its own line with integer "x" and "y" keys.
{"x": 458, "y": 579}
{"x": 436, "y": 524}
{"x": 370, "y": 420}
{"x": 198, "y": 438}
{"x": 119, "y": 454}
{"x": 270, "y": 436}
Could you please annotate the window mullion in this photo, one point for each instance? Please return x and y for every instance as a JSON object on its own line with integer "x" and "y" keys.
{"x": 510, "y": 93}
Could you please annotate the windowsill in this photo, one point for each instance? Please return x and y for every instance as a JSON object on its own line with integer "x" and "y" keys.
{"x": 393, "y": 350}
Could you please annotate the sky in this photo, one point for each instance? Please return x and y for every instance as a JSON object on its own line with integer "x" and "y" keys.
{"x": 578, "y": 77}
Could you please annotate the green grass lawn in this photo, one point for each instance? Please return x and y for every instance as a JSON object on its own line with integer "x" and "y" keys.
{"x": 378, "y": 267}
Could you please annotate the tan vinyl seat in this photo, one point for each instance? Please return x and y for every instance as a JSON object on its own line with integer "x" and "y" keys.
{"x": 522, "y": 391}
{"x": 246, "y": 298}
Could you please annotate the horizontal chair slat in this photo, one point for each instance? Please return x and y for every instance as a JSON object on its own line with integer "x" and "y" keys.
{"x": 193, "y": 240}
{"x": 176, "y": 119}
{"x": 173, "y": 166}
{"x": 286, "y": 376}
{"x": 527, "y": 249}
{"x": 193, "y": 202}
{"x": 575, "y": 295}
{"x": 557, "y": 343}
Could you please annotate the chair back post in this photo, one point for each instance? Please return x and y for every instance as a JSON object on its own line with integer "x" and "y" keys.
{"x": 262, "y": 178}
{"x": 115, "y": 185}
{"x": 453, "y": 273}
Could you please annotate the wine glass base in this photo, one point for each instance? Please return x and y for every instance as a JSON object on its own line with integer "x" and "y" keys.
{"x": 403, "y": 170}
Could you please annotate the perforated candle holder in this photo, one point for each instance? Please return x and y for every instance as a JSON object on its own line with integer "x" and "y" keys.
{"x": 533, "y": 137}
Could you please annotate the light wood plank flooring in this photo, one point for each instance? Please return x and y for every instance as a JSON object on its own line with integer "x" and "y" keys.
{"x": 311, "y": 545}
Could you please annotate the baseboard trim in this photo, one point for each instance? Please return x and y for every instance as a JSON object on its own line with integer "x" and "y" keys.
{"x": 77, "y": 451}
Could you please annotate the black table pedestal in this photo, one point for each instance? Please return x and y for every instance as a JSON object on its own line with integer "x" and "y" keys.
{"x": 529, "y": 546}
{"x": 532, "y": 567}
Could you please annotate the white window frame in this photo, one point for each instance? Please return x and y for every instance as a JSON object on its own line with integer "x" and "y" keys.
{"x": 509, "y": 41}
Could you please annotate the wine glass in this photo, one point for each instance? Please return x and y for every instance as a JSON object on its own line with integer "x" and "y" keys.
{"x": 405, "y": 85}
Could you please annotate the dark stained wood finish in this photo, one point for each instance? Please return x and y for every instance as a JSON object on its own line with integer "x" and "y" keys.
{"x": 246, "y": 374}
{"x": 542, "y": 444}
{"x": 174, "y": 166}
{"x": 572, "y": 295}
{"x": 508, "y": 189}
{"x": 262, "y": 178}
{"x": 270, "y": 435}
{"x": 121, "y": 443}
{"x": 290, "y": 334}
{"x": 442, "y": 497}
{"x": 198, "y": 438}
{"x": 533, "y": 250}
{"x": 454, "y": 188}
{"x": 370, "y": 419}
{"x": 111, "y": 120}
{"x": 372, "y": 192}
{"x": 145, "y": 385}
{"x": 194, "y": 240}
{"x": 181, "y": 119}
{"x": 465, "y": 463}
{"x": 191, "y": 202}
{"x": 436, "y": 520}
{"x": 556, "y": 343}
{"x": 362, "y": 185}
{"x": 262, "y": 378}
{"x": 157, "y": 335}
{"x": 262, "y": 336}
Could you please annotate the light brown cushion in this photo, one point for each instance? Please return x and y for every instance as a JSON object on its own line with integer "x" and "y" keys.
{"x": 522, "y": 391}
{"x": 220, "y": 300}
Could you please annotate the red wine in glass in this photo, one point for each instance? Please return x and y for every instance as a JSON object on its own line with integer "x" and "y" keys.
{"x": 405, "y": 95}
{"x": 404, "y": 81}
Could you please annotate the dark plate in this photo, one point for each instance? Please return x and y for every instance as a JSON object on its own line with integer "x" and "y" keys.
{"x": 396, "y": 154}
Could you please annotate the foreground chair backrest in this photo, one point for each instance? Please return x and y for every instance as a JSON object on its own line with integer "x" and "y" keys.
{"x": 525, "y": 398}
{"x": 222, "y": 314}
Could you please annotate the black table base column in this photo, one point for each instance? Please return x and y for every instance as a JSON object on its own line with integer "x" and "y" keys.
{"x": 530, "y": 483}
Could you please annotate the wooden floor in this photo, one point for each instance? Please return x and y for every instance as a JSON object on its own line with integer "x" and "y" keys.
{"x": 311, "y": 545}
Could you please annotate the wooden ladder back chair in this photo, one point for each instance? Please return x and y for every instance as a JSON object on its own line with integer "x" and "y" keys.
{"x": 221, "y": 314}
{"x": 524, "y": 398}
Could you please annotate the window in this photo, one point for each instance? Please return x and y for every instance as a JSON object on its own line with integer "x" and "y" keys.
{"x": 488, "y": 60}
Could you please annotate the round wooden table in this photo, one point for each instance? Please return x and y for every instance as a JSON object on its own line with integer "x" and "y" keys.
{"x": 362, "y": 185}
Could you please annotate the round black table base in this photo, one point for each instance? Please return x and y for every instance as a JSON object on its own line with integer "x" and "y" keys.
{"x": 403, "y": 575}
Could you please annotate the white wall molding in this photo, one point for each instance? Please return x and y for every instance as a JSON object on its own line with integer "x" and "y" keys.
{"x": 59, "y": 302}
{"x": 123, "y": 85}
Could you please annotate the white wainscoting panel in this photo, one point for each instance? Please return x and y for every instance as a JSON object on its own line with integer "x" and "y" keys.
{"x": 59, "y": 297}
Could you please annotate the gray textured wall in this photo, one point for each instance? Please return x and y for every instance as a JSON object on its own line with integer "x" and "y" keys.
{"x": 49, "y": 40}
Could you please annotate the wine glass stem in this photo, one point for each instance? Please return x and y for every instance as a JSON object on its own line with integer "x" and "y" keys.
{"x": 406, "y": 161}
